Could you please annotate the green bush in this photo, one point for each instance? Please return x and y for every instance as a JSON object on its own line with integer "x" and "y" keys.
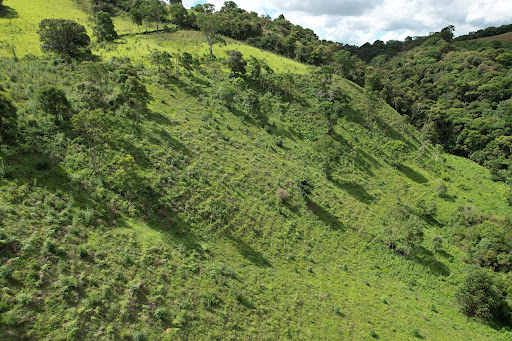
{"x": 5, "y": 271}
{"x": 160, "y": 314}
{"x": 478, "y": 297}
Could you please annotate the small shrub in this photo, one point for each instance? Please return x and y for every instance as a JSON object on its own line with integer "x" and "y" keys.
{"x": 437, "y": 242}
{"x": 82, "y": 252}
{"x": 6, "y": 271}
{"x": 441, "y": 189}
{"x": 416, "y": 332}
{"x": 373, "y": 334}
{"x": 88, "y": 215}
{"x": 138, "y": 336}
{"x": 304, "y": 186}
{"x": 49, "y": 246}
{"x": 209, "y": 300}
{"x": 160, "y": 314}
{"x": 282, "y": 195}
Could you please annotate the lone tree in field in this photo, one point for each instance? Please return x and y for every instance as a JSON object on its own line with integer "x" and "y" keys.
{"x": 104, "y": 29}
{"x": 62, "y": 36}
{"x": 210, "y": 25}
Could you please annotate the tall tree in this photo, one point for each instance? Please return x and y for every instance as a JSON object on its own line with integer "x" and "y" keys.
{"x": 53, "y": 101}
{"x": 135, "y": 96}
{"x": 93, "y": 126}
{"x": 104, "y": 27}
{"x": 210, "y": 25}
{"x": 154, "y": 11}
{"x": 136, "y": 16}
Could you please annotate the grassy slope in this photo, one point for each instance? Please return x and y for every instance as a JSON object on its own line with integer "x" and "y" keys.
{"x": 139, "y": 46}
{"x": 20, "y": 26}
{"x": 294, "y": 294}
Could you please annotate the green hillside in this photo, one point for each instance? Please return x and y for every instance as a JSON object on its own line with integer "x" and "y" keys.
{"x": 227, "y": 208}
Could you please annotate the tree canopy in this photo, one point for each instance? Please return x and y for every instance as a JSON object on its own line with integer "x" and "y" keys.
{"x": 62, "y": 36}
{"x": 104, "y": 28}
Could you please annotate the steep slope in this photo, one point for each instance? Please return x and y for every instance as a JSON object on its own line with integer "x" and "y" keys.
{"x": 199, "y": 224}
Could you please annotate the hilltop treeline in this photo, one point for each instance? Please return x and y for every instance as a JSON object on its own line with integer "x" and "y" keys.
{"x": 460, "y": 98}
{"x": 277, "y": 35}
{"x": 486, "y": 32}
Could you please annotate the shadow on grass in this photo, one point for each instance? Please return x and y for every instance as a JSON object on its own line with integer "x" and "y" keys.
{"x": 368, "y": 158}
{"x": 412, "y": 174}
{"x": 447, "y": 197}
{"x": 427, "y": 259}
{"x": 281, "y": 132}
{"x": 174, "y": 233}
{"x": 355, "y": 190}
{"x": 445, "y": 255}
{"x": 250, "y": 254}
{"x": 325, "y": 216}
{"x": 7, "y": 12}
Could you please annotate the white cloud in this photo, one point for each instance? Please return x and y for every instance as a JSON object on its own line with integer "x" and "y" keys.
{"x": 359, "y": 21}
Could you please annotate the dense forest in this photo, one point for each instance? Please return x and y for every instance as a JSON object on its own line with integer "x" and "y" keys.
{"x": 166, "y": 175}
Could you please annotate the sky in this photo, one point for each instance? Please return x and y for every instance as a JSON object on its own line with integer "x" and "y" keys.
{"x": 357, "y": 21}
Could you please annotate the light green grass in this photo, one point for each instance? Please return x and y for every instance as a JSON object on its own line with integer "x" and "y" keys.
{"x": 138, "y": 47}
{"x": 22, "y": 29}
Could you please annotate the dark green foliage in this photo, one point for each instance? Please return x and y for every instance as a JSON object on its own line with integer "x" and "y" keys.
{"x": 236, "y": 63}
{"x": 5, "y": 271}
{"x": 135, "y": 97}
{"x": 53, "y": 101}
{"x": 187, "y": 61}
{"x": 104, "y": 27}
{"x": 154, "y": 11}
{"x": 62, "y": 36}
{"x": 478, "y": 297}
{"x": 486, "y": 32}
{"x": 395, "y": 150}
{"x": 304, "y": 186}
{"x": 8, "y": 120}
{"x": 181, "y": 17}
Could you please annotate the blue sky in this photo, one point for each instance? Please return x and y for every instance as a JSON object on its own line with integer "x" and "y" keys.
{"x": 358, "y": 21}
